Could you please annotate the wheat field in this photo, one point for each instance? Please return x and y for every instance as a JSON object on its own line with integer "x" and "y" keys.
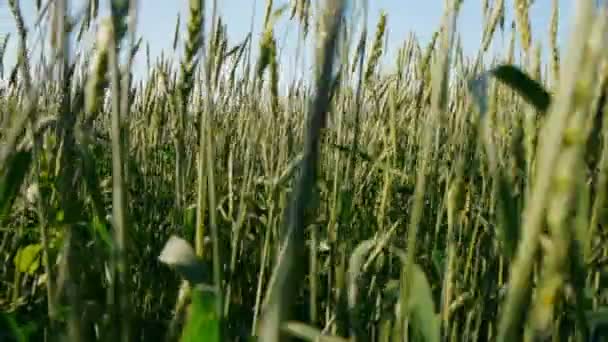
{"x": 450, "y": 198}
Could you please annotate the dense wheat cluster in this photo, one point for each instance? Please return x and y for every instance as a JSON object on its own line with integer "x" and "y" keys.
{"x": 443, "y": 198}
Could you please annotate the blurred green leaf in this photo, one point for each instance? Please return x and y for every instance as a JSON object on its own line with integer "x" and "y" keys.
{"x": 203, "y": 323}
{"x": 422, "y": 308}
{"x": 532, "y": 91}
{"x": 519, "y": 81}
{"x": 27, "y": 259}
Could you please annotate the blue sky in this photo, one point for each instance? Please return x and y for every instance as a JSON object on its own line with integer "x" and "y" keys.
{"x": 156, "y": 22}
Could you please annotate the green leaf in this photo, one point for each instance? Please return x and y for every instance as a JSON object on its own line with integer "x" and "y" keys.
{"x": 532, "y": 91}
{"x": 27, "y": 259}
{"x": 13, "y": 176}
{"x": 529, "y": 89}
{"x": 203, "y": 323}
{"x": 421, "y": 306}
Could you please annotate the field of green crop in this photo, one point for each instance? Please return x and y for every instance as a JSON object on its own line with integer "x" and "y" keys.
{"x": 450, "y": 199}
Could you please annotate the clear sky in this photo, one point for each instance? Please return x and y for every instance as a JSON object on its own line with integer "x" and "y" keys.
{"x": 157, "y": 18}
